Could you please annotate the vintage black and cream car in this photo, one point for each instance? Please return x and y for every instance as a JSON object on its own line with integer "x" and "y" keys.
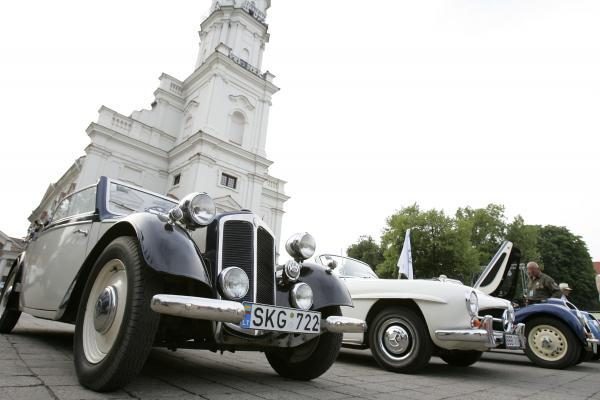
{"x": 120, "y": 263}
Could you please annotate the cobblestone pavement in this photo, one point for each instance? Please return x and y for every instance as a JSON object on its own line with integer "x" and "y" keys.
{"x": 36, "y": 362}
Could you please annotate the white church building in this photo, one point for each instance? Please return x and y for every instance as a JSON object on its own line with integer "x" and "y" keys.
{"x": 204, "y": 133}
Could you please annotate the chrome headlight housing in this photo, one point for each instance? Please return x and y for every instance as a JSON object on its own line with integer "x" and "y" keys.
{"x": 301, "y": 246}
{"x": 509, "y": 318}
{"x": 291, "y": 271}
{"x": 233, "y": 283}
{"x": 301, "y": 296}
{"x": 196, "y": 209}
{"x": 472, "y": 304}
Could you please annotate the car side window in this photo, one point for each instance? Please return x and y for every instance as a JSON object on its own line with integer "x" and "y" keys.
{"x": 78, "y": 203}
{"x": 83, "y": 202}
{"x": 62, "y": 209}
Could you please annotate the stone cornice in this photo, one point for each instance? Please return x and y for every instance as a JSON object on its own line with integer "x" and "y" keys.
{"x": 217, "y": 59}
{"x": 94, "y": 128}
{"x": 201, "y": 138}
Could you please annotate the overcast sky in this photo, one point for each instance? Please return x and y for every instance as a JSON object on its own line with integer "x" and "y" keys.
{"x": 382, "y": 104}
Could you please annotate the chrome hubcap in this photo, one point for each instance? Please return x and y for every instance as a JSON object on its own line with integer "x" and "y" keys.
{"x": 548, "y": 343}
{"x": 106, "y": 309}
{"x": 396, "y": 340}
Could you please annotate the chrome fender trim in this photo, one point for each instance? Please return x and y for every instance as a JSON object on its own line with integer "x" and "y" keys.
{"x": 198, "y": 308}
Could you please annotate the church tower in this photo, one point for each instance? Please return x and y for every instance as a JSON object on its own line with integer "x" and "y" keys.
{"x": 205, "y": 133}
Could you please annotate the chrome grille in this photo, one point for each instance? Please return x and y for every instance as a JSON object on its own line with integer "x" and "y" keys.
{"x": 238, "y": 250}
{"x": 239, "y": 242}
{"x": 265, "y": 260}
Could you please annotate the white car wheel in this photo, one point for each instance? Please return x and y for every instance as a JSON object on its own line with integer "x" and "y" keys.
{"x": 399, "y": 340}
{"x": 551, "y": 343}
{"x": 115, "y": 326}
{"x": 548, "y": 343}
{"x": 104, "y": 311}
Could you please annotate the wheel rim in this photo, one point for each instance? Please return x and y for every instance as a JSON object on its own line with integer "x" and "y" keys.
{"x": 547, "y": 342}
{"x": 104, "y": 311}
{"x": 396, "y": 339}
{"x": 8, "y": 287}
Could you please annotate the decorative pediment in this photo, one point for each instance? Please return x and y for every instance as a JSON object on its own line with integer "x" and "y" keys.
{"x": 227, "y": 203}
{"x": 191, "y": 106}
{"x": 242, "y": 101}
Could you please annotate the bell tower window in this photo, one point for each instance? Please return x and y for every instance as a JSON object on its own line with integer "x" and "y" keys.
{"x": 236, "y": 130}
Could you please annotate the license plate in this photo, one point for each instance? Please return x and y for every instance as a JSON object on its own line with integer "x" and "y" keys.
{"x": 282, "y": 319}
{"x": 512, "y": 341}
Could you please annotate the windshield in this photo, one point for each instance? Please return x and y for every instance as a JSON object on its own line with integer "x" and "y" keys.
{"x": 124, "y": 200}
{"x": 348, "y": 267}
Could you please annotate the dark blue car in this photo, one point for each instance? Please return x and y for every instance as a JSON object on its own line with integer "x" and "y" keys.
{"x": 558, "y": 334}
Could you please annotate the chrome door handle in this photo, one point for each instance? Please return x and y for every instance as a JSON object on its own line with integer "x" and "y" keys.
{"x": 84, "y": 233}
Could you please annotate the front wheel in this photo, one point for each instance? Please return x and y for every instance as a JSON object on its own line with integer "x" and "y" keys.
{"x": 551, "y": 344}
{"x": 115, "y": 326}
{"x": 9, "y": 299}
{"x": 311, "y": 359}
{"x": 399, "y": 340}
{"x": 460, "y": 358}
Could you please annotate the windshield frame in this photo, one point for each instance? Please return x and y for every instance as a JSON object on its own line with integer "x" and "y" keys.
{"x": 371, "y": 273}
{"x": 132, "y": 187}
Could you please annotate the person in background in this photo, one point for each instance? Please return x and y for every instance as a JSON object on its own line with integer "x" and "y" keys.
{"x": 540, "y": 286}
{"x": 565, "y": 289}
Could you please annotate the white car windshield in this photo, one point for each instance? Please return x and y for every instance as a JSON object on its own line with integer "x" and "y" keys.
{"x": 124, "y": 200}
{"x": 348, "y": 267}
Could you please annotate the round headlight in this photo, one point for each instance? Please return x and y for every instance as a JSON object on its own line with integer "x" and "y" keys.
{"x": 291, "y": 269}
{"x": 301, "y": 246}
{"x": 234, "y": 283}
{"x": 473, "y": 304}
{"x": 302, "y": 296}
{"x": 198, "y": 208}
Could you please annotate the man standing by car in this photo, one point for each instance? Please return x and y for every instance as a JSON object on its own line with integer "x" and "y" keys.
{"x": 540, "y": 286}
{"x": 597, "y": 268}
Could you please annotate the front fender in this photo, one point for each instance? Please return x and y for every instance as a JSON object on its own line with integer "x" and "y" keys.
{"x": 166, "y": 248}
{"x": 561, "y": 313}
{"x": 328, "y": 289}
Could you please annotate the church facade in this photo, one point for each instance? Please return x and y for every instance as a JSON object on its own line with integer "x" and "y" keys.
{"x": 204, "y": 133}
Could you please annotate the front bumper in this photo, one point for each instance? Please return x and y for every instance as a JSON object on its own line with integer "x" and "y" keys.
{"x": 233, "y": 312}
{"x": 484, "y": 335}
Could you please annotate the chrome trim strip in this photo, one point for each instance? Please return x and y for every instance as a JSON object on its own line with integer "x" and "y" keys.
{"x": 338, "y": 324}
{"x": 198, "y": 308}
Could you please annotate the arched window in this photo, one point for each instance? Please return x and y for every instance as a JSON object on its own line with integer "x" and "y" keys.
{"x": 236, "y": 130}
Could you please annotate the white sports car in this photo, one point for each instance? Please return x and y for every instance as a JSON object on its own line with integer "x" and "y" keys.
{"x": 411, "y": 320}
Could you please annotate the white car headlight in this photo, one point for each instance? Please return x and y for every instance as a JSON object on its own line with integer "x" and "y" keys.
{"x": 302, "y": 296}
{"x": 472, "y": 304}
{"x": 198, "y": 209}
{"x": 301, "y": 246}
{"x": 233, "y": 283}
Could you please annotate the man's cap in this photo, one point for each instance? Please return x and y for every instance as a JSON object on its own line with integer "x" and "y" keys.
{"x": 564, "y": 286}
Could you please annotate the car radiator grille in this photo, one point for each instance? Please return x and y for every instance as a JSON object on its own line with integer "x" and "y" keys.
{"x": 238, "y": 251}
{"x": 265, "y": 260}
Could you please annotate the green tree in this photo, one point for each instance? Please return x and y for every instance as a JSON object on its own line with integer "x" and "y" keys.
{"x": 438, "y": 245}
{"x": 366, "y": 250}
{"x": 565, "y": 258}
{"x": 525, "y": 237}
{"x": 486, "y": 226}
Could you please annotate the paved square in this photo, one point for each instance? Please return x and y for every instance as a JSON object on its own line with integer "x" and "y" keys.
{"x": 36, "y": 362}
